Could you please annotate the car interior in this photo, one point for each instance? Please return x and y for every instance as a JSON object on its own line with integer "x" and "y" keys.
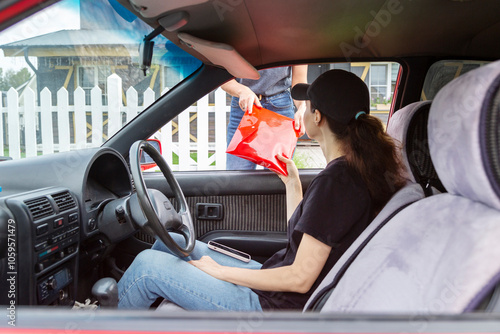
{"x": 80, "y": 217}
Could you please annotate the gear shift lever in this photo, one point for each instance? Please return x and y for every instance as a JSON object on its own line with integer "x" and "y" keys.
{"x": 106, "y": 292}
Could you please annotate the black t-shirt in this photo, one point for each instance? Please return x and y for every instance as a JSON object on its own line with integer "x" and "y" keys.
{"x": 335, "y": 209}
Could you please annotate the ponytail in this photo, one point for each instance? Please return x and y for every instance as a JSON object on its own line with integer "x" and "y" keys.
{"x": 372, "y": 152}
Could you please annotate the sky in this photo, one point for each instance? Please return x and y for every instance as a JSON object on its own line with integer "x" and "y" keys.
{"x": 62, "y": 15}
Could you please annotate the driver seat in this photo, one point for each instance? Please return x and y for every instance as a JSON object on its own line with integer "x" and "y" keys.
{"x": 168, "y": 306}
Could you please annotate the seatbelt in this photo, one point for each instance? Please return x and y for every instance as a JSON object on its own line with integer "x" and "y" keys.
{"x": 426, "y": 186}
{"x": 320, "y": 299}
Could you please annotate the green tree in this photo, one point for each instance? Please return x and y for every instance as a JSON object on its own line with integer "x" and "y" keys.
{"x": 13, "y": 79}
{"x": 2, "y": 83}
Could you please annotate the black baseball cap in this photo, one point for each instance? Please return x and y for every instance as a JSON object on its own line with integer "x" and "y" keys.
{"x": 339, "y": 94}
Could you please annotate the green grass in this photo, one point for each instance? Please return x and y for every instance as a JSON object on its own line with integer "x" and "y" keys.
{"x": 175, "y": 157}
{"x": 6, "y": 153}
{"x": 303, "y": 161}
{"x": 193, "y": 155}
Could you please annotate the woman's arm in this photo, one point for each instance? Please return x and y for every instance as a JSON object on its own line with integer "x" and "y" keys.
{"x": 293, "y": 186}
{"x": 298, "y": 277}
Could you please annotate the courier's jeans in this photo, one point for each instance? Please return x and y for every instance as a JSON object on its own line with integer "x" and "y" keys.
{"x": 281, "y": 103}
{"x": 157, "y": 273}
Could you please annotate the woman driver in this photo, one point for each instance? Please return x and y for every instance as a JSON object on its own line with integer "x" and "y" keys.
{"x": 337, "y": 206}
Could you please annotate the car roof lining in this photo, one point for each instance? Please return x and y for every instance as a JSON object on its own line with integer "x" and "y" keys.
{"x": 252, "y": 27}
{"x": 266, "y": 32}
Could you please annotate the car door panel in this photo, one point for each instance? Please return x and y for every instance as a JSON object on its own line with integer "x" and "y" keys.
{"x": 260, "y": 245}
{"x": 253, "y": 204}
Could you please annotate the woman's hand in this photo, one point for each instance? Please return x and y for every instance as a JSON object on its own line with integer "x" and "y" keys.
{"x": 208, "y": 265}
{"x": 293, "y": 172}
{"x": 293, "y": 186}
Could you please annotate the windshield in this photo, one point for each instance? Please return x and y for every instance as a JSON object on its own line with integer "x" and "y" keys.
{"x": 70, "y": 76}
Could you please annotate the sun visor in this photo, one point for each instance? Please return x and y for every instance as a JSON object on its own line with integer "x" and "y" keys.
{"x": 154, "y": 8}
{"x": 222, "y": 55}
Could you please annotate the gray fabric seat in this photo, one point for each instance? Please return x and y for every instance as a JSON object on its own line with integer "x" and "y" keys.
{"x": 440, "y": 254}
{"x": 408, "y": 127}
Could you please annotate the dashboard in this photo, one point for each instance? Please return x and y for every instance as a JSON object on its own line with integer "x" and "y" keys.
{"x": 59, "y": 216}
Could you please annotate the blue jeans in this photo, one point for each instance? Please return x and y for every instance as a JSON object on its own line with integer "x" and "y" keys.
{"x": 156, "y": 272}
{"x": 281, "y": 103}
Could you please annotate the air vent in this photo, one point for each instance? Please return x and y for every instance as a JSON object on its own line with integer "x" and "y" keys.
{"x": 39, "y": 207}
{"x": 64, "y": 201}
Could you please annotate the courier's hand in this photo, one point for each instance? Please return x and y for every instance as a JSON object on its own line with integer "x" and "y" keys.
{"x": 248, "y": 99}
{"x": 299, "y": 120}
{"x": 293, "y": 172}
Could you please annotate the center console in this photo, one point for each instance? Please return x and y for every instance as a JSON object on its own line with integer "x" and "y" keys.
{"x": 48, "y": 239}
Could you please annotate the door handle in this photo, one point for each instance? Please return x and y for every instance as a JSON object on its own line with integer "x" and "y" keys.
{"x": 209, "y": 211}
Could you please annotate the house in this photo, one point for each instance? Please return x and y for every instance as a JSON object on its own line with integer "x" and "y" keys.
{"x": 82, "y": 60}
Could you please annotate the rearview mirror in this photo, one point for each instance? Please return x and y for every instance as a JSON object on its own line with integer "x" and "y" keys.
{"x": 146, "y": 55}
{"x": 146, "y": 49}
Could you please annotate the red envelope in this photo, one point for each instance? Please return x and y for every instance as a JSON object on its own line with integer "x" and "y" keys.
{"x": 261, "y": 136}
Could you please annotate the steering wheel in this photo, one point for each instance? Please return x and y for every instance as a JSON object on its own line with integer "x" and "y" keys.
{"x": 161, "y": 216}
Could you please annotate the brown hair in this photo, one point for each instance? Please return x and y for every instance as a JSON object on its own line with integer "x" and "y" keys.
{"x": 372, "y": 152}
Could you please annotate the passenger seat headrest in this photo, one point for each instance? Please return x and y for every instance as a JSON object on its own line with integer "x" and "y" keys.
{"x": 464, "y": 135}
{"x": 409, "y": 127}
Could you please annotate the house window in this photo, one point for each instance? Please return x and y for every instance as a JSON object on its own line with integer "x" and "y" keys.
{"x": 91, "y": 76}
{"x": 171, "y": 76}
{"x": 379, "y": 83}
{"x": 394, "y": 76}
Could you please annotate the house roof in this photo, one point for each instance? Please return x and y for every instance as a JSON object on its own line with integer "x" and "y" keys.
{"x": 78, "y": 37}
{"x": 76, "y": 43}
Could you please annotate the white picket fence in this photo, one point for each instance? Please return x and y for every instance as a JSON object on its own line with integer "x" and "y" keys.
{"x": 25, "y": 117}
